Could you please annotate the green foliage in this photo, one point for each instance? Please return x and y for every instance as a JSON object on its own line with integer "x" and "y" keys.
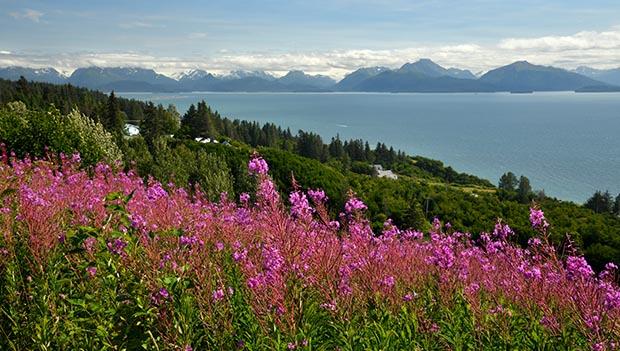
{"x": 602, "y": 202}
{"x": 30, "y": 132}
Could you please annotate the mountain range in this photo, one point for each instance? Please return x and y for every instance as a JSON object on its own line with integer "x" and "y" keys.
{"x": 423, "y": 75}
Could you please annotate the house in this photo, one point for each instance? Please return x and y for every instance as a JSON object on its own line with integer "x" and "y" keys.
{"x": 131, "y": 129}
{"x": 384, "y": 173}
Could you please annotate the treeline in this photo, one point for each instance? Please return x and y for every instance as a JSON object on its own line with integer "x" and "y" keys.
{"x": 603, "y": 202}
{"x": 66, "y": 98}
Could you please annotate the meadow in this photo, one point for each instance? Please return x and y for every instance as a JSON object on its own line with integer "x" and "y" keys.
{"x": 98, "y": 258}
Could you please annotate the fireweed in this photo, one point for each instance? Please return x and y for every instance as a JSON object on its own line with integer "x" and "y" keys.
{"x": 190, "y": 266}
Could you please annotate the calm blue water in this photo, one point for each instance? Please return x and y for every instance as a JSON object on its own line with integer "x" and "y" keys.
{"x": 567, "y": 144}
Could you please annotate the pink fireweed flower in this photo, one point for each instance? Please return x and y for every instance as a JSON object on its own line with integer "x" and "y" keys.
{"x": 502, "y": 231}
{"x": 412, "y": 235}
{"x": 409, "y": 297}
{"x": 160, "y": 296}
{"x": 117, "y": 247}
{"x": 537, "y": 219}
{"x": 244, "y": 198}
{"x": 240, "y": 255}
{"x": 155, "y": 192}
{"x": 330, "y": 306}
{"x": 577, "y": 267}
{"x": 354, "y": 204}
{"x": 267, "y": 192}
{"x": 257, "y": 165}
{"x": 218, "y": 294}
{"x": 335, "y": 225}
{"x": 318, "y": 195}
{"x": 89, "y": 244}
{"x": 388, "y": 282}
{"x": 91, "y": 271}
{"x": 300, "y": 207}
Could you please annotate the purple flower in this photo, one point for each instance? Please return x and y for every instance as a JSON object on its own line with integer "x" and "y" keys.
{"x": 577, "y": 267}
{"x": 408, "y": 297}
{"x": 244, "y": 198}
{"x": 158, "y": 297}
{"x": 300, "y": 207}
{"x": 502, "y": 231}
{"x": 291, "y": 346}
{"x": 164, "y": 293}
{"x": 240, "y": 255}
{"x": 257, "y": 165}
{"x": 117, "y": 247}
{"x": 354, "y": 204}
{"x": 155, "y": 192}
{"x": 91, "y": 271}
{"x": 317, "y": 195}
{"x": 388, "y": 282}
{"x": 254, "y": 282}
{"x": 219, "y": 246}
{"x": 218, "y": 294}
{"x": 537, "y": 219}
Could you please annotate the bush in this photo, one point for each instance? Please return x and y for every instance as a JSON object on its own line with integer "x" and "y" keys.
{"x": 35, "y": 133}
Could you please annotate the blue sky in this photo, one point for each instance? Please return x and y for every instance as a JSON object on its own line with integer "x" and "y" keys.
{"x": 330, "y": 37}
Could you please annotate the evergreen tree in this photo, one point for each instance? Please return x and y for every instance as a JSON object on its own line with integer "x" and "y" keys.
{"x": 113, "y": 119}
{"x": 524, "y": 191}
{"x": 508, "y": 181}
{"x": 617, "y": 206}
{"x": 601, "y": 202}
{"x": 336, "y": 150}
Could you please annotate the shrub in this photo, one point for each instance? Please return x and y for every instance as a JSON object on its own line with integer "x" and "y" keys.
{"x": 36, "y": 133}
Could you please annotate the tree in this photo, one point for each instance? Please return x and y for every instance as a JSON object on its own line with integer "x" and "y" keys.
{"x": 415, "y": 218}
{"x": 617, "y": 206}
{"x": 113, "y": 119}
{"x": 524, "y": 191}
{"x": 336, "y": 150}
{"x": 508, "y": 181}
{"x": 310, "y": 145}
{"x": 601, "y": 202}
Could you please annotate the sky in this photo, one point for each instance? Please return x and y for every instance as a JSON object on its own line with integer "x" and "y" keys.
{"x": 330, "y": 37}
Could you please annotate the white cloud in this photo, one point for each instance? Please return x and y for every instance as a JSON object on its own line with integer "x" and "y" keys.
{"x": 596, "y": 49}
{"x": 587, "y": 40}
{"x": 5, "y": 52}
{"x": 29, "y": 14}
{"x": 139, "y": 24}
{"x": 197, "y": 35}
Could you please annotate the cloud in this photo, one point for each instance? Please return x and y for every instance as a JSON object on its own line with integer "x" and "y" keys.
{"x": 139, "y": 24}
{"x": 197, "y": 35}
{"x": 595, "y": 49}
{"x": 29, "y": 14}
{"x": 586, "y": 40}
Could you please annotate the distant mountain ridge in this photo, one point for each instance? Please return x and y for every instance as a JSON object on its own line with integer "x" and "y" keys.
{"x": 609, "y": 76}
{"x": 423, "y": 75}
{"x": 429, "y": 68}
{"x": 45, "y": 75}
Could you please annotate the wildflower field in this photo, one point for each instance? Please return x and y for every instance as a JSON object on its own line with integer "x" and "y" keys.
{"x": 99, "y": 259}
